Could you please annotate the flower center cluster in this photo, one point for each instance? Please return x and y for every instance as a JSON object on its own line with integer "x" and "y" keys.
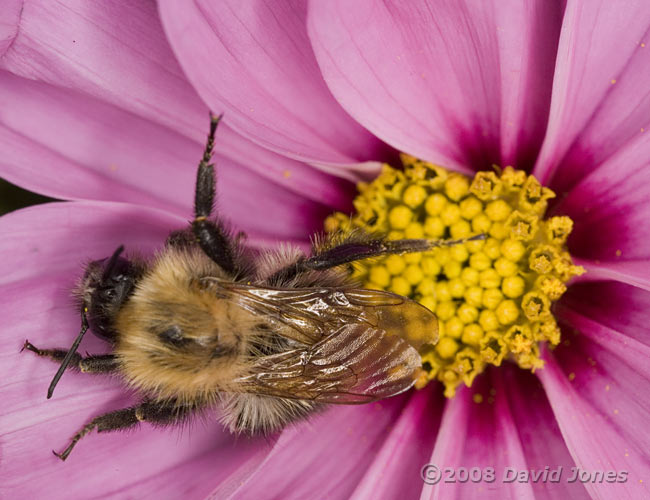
{"x": 492, "y": 297}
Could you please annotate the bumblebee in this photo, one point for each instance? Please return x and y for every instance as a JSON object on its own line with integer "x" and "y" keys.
{"x": 268, "y": 338}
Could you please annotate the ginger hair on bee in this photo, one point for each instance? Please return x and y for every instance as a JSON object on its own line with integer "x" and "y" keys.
{"x": 175, "y": 326}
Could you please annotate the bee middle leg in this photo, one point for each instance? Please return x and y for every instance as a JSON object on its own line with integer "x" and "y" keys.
{"x": 158, "y": 413}
{"x": 101, "y": 363}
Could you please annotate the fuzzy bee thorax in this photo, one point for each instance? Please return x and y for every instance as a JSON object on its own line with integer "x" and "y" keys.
{"x": 177, "y": 339}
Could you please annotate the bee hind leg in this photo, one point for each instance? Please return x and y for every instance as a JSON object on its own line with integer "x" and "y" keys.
{"x": 101, "y": 363}
{"x": 113, "y": 421}
{"x": 358, "y": 248}
{"x": 157, "y": 413}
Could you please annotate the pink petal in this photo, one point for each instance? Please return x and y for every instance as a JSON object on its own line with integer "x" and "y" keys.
{"x": 610, "y": 213}
{"x": 540, "y": 435}
{"x": 88, "y": 46}
{"x": 600, "y": 89}
{"x": 9, "y": 18}
{"x": 57, "y": 237}
{"x": 43, "y": 249}
{"x": 195, "y": 478}
{"x": 69, "y": 145}
{"x": 597, "y": 383}
{"x": 255, "y": 62}
{"x": 632, "y": 272}
{"x": 461, "y": 84}
{"x": 615, "y": 306}
{"x": 325, "y": 456}
{"x": 502, "y": 433}
{"x": 394, "y": 472}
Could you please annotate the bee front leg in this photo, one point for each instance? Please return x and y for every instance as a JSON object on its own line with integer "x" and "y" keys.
{"x": 155, "y": 412}
{"x": 213, "y": 238}
{"x": 181, "y": 238}
{"x": 101, "y": 363}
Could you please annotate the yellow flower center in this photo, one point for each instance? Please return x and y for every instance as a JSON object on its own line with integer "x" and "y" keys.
{"x": 492, "y": 297}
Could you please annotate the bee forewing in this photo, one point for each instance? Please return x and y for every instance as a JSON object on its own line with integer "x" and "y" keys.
{"x": 396, "y": 315}
{"x": 313, "y": 313}
{"x": 354, "y": 364}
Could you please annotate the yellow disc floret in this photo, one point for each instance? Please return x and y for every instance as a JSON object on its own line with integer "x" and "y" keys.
{"x": 493, "y": 297}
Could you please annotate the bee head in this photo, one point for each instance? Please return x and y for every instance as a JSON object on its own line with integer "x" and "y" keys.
{"x": 106, "y": 286}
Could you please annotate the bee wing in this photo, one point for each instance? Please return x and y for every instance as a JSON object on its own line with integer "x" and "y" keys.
{"x": 354, "y": 364}
{"x": 314, "y": 313}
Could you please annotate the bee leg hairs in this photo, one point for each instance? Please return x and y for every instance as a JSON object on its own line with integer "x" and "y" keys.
{"x": 212, "y": 236}
{"x": 155, "y": 412}
{"x": 101, "y": 363}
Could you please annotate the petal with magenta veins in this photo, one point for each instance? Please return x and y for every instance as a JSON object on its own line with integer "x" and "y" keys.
{"x": 88, "y": 47}
{"x": 609, "y": 209}
{"x": 407, "y": 447}
{"x": 326, "y": 455}
{"x": 461, "y": 84}
{"x": 255, "y": 62}
{"x": 476, "y": 438}
{"x": 600, "y": 92}
{"x": 540, "y": 435}
{"x": 497, "y": 427}
{"x": 67, "y": 144}
{"x": 597, "y": 382}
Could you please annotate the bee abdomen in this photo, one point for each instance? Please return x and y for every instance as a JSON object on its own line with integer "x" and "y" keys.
{"x": 255, "y": 414}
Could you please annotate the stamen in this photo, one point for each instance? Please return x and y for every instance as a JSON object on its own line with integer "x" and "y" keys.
{"x": 493, "y": 297}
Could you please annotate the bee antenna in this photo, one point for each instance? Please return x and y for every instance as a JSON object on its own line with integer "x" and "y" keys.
{"x": 73, "y": 349}
{"x": 111, "y": 263}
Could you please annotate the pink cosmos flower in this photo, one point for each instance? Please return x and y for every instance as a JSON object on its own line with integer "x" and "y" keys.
{"x": 105, "y": 104}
